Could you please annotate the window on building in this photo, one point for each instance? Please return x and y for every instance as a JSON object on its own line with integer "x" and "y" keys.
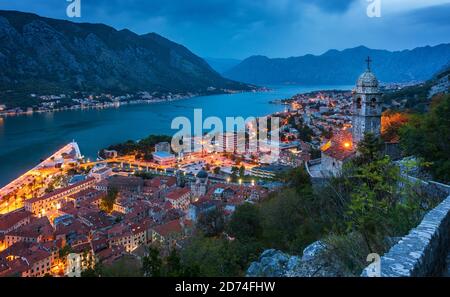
{"x": 373, "y": 103}
{"x": 358, "y": 103}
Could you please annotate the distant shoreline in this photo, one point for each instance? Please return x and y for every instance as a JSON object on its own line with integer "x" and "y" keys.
{"x": 124, "y": 103}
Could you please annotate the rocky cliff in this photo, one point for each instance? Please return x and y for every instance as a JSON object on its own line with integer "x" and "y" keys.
{"x": 314, "y": 262}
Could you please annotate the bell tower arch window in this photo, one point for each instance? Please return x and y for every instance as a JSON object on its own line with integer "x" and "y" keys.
{"x": 358, "y": 103}
{"x": 373, "y": 103}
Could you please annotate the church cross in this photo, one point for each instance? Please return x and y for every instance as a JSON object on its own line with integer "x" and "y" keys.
{"x": 369, "y": 60}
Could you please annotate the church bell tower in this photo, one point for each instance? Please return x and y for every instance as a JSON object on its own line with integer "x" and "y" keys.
{"x": 366, "y": 107}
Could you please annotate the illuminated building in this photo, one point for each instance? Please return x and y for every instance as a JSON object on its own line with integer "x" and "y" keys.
{"x": 366, "y": 109}
{"x": 51, "y": 201}
{"x": 164, "y": 158}
{"x": 366, "y": 106}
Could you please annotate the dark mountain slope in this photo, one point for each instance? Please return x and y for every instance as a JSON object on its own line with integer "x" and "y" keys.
{"x": 341, "y": 67}
{"x": 39, "y": 54}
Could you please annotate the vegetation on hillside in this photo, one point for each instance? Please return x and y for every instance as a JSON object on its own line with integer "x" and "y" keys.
{"x": 142, "y": 149}
{"x": 428, "y": 136}
{"x": 355, "y": 214}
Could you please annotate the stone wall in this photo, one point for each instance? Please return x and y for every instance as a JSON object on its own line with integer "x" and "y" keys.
{"x": 423, "y": 251}
{"x": 432, "y": 188}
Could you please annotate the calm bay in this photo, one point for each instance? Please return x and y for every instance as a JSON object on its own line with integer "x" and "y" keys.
{"x": 26, "y": 139}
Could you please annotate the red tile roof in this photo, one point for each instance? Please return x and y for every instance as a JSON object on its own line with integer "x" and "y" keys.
{"x": 32, "y": 252}
{"x": 169, "y": 228}
{"x": 177, "y": 193}
{"x": 336, "y": 148}
{"x": 9, "y": 220}
{"x": 37, "y": 228}
{"x": 14, "y": 267}
{"x": 59, "y": 191}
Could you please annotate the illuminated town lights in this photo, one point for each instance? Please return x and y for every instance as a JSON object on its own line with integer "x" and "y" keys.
{"x": 347, "y": 145}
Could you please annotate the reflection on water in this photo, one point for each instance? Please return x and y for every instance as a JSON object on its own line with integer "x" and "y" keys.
{"x": 1, "y": 126}
{"x": 24, "y": 140}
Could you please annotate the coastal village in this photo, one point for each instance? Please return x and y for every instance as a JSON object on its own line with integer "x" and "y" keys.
{"x": 84, "y": 100}
{"x": 61, "y": 203}
{"x": 69, "y": 213}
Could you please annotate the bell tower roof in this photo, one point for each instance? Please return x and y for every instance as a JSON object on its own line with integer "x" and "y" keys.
{"x": 368, "y": 78}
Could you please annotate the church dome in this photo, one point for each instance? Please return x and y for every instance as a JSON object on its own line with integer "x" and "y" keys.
{"x": 367, "y": 79}
{"x": 202, "y": 174}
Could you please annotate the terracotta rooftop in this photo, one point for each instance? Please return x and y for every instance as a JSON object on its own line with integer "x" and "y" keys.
{"x": 337, "y": 147}
{"x": 87, "y": 193}
{"x": 14, "y": 267}
{"x": 35, "y": 229}
{"x": 82, "y": 247}
{"x": 169, "y": 228}
{"x": 32, "y": 252}
{"x": 59, "y": 191}
{"x": 9, "y": 220}
{"x": 177, "y": 193}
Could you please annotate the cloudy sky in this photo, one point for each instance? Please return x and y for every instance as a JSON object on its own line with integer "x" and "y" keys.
{"x": 275, "y": 28}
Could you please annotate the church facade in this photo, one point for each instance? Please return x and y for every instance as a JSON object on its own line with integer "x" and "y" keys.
{"x": 366, "y": 118}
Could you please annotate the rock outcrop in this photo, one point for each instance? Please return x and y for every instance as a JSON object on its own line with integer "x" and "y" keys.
{"x": 315, "y": 262}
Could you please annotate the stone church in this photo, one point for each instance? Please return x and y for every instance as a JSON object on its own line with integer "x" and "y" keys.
{"x": 366, "y": 110}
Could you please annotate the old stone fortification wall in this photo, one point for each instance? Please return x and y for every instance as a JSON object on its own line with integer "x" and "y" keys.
{"x": 424, "y": 250}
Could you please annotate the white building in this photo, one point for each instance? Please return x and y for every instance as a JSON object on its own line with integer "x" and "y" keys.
{"x": 164, "y": 158}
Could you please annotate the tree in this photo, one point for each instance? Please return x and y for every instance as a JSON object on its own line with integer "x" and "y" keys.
{"x": 234, "y": 173}
{"x": 211, "y": 223}
{"x": 391, "y": 123}
{"x": 375, "y": 198}
{"x": 67, "y": 249}
{"x": 297, "y": 178}
{"x": 210, "y": 257}
{"x": 242, "y": 171}
{"x": 369, "y": 149}
{"x": 152, "y": 264}
{"x": 95, "y": 271}
{"x": 290, "y": 219}
{"x": 107, "y": 202}
{"x": 173, "y": 267}
{"x": 428, "y": 136}
{"x": 125, "y": 267}
{"x": 245, "y": 223}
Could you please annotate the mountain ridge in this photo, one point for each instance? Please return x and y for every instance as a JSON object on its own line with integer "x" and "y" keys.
{"x": 39, "y": 54}
{"x": 344, "y": 66}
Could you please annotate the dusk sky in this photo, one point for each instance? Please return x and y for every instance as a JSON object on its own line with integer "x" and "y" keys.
{"x": 275, "y": 28}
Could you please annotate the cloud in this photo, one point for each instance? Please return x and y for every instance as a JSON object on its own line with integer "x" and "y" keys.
{"x": 277, "y": 28}
{"x": 434, "y": 15}
{"x": 336, "y": 6}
